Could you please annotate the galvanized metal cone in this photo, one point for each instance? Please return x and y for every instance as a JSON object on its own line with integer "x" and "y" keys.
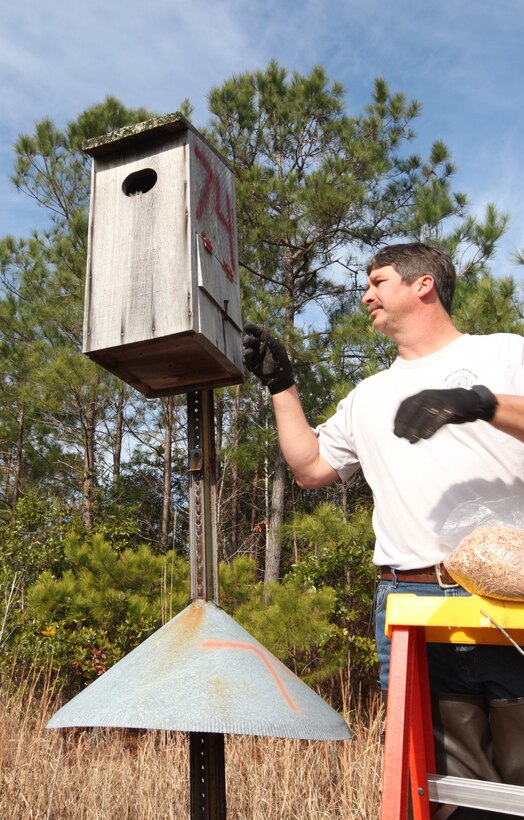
{"x": 202, "y": 672}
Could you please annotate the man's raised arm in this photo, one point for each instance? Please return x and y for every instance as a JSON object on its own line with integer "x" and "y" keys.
{"x": 266, "y": 358}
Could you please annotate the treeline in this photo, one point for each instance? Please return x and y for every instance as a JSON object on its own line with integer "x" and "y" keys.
{"x": 93, "y": 485}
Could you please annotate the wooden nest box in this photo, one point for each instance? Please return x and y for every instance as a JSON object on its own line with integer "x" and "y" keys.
{"x": 162, "y": 307}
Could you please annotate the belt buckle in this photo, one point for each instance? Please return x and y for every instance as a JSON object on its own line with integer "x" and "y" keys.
{"x": 441, "y": 583}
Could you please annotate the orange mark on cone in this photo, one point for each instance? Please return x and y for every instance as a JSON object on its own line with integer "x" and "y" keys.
{"x": 265, "y": 660}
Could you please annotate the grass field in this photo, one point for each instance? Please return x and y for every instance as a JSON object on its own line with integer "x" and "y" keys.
{"x": 115, "y": 775}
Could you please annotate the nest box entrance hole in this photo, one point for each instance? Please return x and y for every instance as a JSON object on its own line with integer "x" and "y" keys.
{"x": 139, "y": 182}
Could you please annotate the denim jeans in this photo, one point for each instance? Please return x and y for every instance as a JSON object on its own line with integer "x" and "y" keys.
{"x": 466, "y": 669}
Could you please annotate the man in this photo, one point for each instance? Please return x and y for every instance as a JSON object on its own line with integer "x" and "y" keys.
{"x": 443, "y": 425}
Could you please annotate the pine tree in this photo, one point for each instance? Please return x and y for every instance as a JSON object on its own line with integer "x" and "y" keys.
{"x": 47, "y": 274}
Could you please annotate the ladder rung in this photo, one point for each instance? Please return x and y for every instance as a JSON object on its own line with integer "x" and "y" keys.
{"x": 477, "y": 794}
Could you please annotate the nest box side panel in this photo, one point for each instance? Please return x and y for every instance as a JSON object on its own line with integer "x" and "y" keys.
{"x": 213, "y": 211}
{"x": 139, "y": 269}
{"x": 224, "y": 338}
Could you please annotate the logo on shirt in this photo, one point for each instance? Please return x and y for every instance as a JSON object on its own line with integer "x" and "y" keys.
{"x": 461, "y": 378}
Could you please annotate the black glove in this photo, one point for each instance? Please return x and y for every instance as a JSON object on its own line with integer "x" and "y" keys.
{"x": 267, "y": 358}
{"x": 422, "y": 415}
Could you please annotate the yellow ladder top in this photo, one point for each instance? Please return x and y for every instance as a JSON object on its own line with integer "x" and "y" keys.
{"x": 458, "y": 620}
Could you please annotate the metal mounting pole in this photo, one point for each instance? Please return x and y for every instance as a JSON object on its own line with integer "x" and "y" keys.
{"x": 206, "y": 750}
{"x": 207, "y": 776}
{"x": 202, "y": 496}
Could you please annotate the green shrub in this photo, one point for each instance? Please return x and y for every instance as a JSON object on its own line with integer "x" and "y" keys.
{"x": 336, "y": 550}
{"x": 105, "y": 602}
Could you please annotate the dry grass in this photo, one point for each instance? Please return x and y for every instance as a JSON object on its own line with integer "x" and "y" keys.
{"x": 114, "y": 775}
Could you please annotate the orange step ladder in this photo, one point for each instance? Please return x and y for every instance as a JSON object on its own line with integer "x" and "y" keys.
{"x": 409, "y": 757}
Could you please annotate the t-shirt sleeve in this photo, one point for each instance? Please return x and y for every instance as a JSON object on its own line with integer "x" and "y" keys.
{"x": 336, "y": 443}
{"x": 515, "y": 364}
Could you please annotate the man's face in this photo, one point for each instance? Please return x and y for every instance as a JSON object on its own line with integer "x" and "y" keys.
{"x": 389, "y": 300}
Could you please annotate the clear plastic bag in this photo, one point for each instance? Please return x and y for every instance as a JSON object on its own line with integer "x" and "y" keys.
{"x": 469, "y": 515}
{"x": 488, "y": 541}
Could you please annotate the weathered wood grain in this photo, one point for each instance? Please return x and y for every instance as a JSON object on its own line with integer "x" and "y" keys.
{"x": 162, "y": 304}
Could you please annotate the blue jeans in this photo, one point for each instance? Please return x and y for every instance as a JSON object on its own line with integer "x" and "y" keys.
{"x": 465, "y": 669}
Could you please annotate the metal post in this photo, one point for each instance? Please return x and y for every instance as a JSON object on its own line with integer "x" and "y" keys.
{"x": 207, "y": 772}
{"x": 202, "y": 496}
{"x": 207, "y": 775}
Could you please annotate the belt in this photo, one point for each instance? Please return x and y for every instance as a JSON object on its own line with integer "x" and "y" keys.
{"x": 436, "y": 574}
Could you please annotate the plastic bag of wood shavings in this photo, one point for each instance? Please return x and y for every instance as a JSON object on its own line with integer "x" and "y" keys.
{"x": 481, "y": 511}
{"x": 490, "y": 562}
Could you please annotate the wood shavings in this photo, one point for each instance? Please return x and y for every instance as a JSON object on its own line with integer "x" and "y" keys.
{"x": 490, "y": 561}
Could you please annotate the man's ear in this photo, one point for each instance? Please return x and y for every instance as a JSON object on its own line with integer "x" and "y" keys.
{"x": 425, "y": 285}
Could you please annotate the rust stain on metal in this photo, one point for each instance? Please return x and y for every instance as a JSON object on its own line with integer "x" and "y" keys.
{"x": 222, "y": 695}
{"x": 184, "y": 631}
{"x": 266, "y": 659}
{"x": 192, "y": 617}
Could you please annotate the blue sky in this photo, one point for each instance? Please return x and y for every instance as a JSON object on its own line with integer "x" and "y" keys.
{"x": 462, "y": 59}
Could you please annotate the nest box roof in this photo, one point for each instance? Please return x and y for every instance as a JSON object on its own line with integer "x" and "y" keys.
{"x": 147, "y": 132}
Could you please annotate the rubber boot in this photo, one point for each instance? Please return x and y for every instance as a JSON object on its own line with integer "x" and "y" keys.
{"x": 507, "y": 729}
{"x": 462, "y": 735}
{"x": 463, "y": 748}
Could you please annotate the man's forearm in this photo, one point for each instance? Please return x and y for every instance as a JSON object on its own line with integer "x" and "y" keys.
{"x": 509, "y": 416}
{"x": 298, "y": 442}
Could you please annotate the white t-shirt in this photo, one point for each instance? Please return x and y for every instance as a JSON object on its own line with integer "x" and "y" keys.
{"x": 417, "y": 486}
